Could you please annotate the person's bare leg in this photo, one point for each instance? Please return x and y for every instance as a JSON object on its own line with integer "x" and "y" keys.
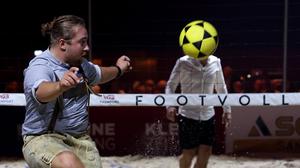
{"x": 66, "y": 159}
{"x": 186, "y": 157}
{"x": 204, "y": 153}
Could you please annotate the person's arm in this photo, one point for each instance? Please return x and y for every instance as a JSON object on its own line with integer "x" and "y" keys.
{"x": 220, "y": 85}
{"x": 174, "y": 79}
{"x": 110, "y": 73}
{"x": 171, "y": 88}
{"x": 49, "y": 91}
{"x": 221, "y": 88}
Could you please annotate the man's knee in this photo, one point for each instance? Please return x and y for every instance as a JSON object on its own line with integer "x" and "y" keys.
{"x": 186, "y": 157}
{"x": 205, "y": 149}
{"x": 66, "y": 159}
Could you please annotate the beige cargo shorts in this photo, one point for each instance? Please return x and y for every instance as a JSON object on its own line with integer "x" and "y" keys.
{"x": 39, "y": 151}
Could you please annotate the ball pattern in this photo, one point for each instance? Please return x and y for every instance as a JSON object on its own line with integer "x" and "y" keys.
{"x": 199, "y": 39}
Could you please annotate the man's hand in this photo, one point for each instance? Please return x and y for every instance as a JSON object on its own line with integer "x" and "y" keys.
{"x": 70, "y": 79}
{"x": 124, "y": 63}
{"x": 171, "y": 113}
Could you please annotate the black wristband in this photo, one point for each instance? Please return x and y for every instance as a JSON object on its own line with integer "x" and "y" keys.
{"x": 119, "y": 71}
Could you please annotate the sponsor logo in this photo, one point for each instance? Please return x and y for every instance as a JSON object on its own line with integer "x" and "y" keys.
{"x": 5, "y": 99}
{"x": 285, "y": 126}
{"x": 261, "y": 125}
{"x": 108, "y": 99}
{"x": 4, "y": 96}
{"x": 104, "y": 135}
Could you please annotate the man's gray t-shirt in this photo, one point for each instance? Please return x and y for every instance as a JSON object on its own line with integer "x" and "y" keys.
{"x": 73, "y": 116}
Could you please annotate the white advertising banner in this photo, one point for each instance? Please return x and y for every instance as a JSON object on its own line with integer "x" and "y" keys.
{"x": 245, "y": 99}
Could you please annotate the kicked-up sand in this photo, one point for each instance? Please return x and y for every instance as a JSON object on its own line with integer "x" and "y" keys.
{"x": 216, "y": 161}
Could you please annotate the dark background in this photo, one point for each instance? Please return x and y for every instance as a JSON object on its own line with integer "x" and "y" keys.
{"x": 250, "y": 33}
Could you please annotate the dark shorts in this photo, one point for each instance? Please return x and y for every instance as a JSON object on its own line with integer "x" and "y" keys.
{"x": 193, "y": 133}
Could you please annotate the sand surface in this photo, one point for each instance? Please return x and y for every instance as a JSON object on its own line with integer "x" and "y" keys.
{"x": 220, "y": 161}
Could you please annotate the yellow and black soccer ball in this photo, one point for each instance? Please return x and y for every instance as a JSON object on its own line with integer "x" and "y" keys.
{"x": 199, "y": 39}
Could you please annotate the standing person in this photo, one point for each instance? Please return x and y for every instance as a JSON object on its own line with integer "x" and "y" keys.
{"x": 55, "y": 130}
{"x": 196, "y": 123}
